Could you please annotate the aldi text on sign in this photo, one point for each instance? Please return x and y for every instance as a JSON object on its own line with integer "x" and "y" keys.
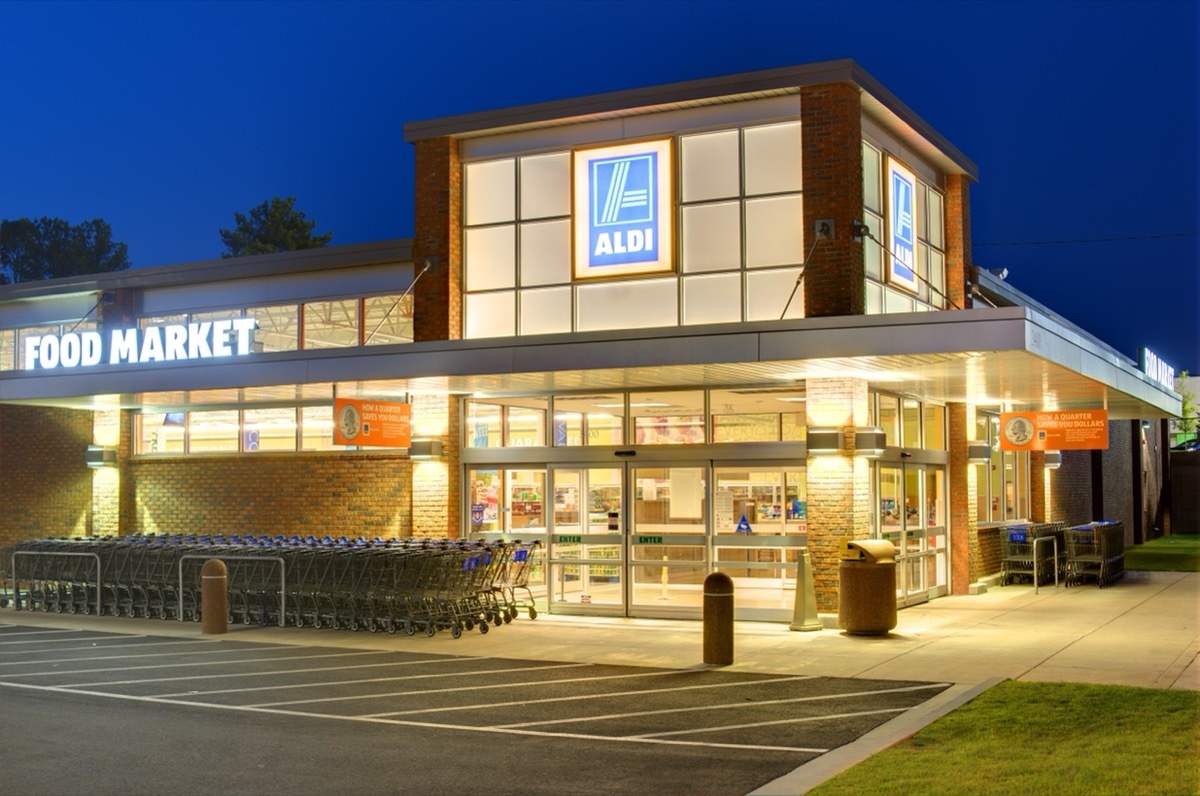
{"x": 902, "y": 239}
{"x": 622, "y": 210}
{"x": 1085, "y": 429}
{"x": 376, "y": 424}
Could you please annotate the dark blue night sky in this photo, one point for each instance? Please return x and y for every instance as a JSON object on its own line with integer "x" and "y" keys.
{"x": 165, "y": 118}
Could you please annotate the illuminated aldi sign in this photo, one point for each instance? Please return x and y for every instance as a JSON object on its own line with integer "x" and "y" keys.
{"x": 902, "y": 238}
{"x": 622, "y": 210}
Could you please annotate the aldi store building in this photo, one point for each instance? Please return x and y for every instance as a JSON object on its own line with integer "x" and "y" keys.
{"x": 691, "y": 328}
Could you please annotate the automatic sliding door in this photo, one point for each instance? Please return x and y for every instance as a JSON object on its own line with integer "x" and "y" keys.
{"x": 587, "y": 562}
{"x": 668, "y": 541}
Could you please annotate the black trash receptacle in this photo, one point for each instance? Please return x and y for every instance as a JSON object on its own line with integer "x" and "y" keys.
{"x": 867, "y": 587}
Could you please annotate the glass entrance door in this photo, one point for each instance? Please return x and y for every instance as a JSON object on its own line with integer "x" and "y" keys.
{"x": 587, "y": 540}
{"x": 912, "y": 517}
{"x": 668, "y": 541}
{"x": 760, "y": 524}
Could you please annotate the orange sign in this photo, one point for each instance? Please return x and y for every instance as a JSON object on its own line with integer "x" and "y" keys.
{"x": 375, "y": 424}
{"x": 1086, "y": 429}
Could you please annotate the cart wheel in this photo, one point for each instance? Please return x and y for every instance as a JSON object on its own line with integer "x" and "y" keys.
{"x": 483, "y": 628}
{"x": 430, "y": 629}
{"x": 456, "y": 631}
{"x": 391, "y": 627}
{"x": 532, "y": 612}
{"x": 498, "y": 620}
{"x": 409, "y": 629}
{"x": 352, "y": 624}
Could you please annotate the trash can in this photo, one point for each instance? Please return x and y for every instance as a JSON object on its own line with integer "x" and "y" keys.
{"x": 867, "y": 588}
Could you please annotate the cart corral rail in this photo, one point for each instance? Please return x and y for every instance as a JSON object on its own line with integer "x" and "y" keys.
{"x": 358, "y": 584}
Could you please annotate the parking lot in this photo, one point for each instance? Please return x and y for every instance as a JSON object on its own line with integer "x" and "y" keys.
{"x": 698, "y": 729}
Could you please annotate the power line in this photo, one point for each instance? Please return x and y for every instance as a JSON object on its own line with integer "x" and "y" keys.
{"x": 1090, "y": 240}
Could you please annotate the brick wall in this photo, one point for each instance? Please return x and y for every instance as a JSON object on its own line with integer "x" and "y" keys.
{"x": 437, "y": 298}
{"x": 1070, "y": 492}
{"x": 831, "y": 119}
{"x": 1117, "y": 476}
{"x": 45, "y": 486}
{"x": 957, "y": 211}
{"x": 320, "y": 495}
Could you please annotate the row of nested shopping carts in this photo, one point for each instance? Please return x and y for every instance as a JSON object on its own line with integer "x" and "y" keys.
{"x": 1076, "y": 554}
{"x": 370, "y": 584}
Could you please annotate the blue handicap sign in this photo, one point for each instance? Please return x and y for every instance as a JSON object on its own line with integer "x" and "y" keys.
{"x": 743, "y": 525}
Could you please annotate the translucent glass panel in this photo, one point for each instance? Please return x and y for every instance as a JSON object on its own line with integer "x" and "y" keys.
{"x": 278, "y": 327}
{"x": 632, "y": 304}
{"x": 514, "y": 423}
{"x": 711, "y": 237}
{"x": 712, "y": 299}
{"x": 710, "y": 166}
{"x": 388, "y": 320}
{"x": 316, "y": 429}
{"x": 491, "y": 258}
{"x": 331, "y": 324}
{"x": 774, "y": 231}
{"x": 484, "y": 428}
{"x": 889, "y": 418}
{"x": 756, "y": 415}
{"x": 773, "y": 159}
{"x": 768, "y": 294}
{"x": 545, "y": 253}
{"x": 32, "y": 331}
{"x": 490, "y": 314}
{"x": 872, "y": 182}
{"x": 491, "y": 192}
{"x": 546, "y": 311}
{"x": 526, "y": 426}
{"x": 935, "y": 427}
{"x": 160, "y": 433}
{"x": 911, "y": 423}
{"x": 545, "y": 185}
{"x": 231, "y": 431}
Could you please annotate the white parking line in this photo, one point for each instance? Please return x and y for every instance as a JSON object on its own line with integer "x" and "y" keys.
{"x": 355, "y": 653}
{"x": 17, "y": 638}
{"x": 426, "y": 725}
{"x": 698, "y": 708}
{"x": 207, "y": 650}
{"x": 752, "y": 725}
{"x": 580, "y": 698}
{"x": 326, "y": 684}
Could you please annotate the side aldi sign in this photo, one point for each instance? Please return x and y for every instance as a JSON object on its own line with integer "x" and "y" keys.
{"x": 622, "y": 210}
{"x": 902, "y": 238}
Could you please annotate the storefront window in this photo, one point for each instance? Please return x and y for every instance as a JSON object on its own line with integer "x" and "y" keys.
{"x": 331, "y": 324}
{"x": 668, "y": 417}
{"x": 213, "y": 432}
{"x": 278, "y": 328}
{"x": 7, "y": 349}
{"x": 589, "y": 420}
{"x": 889, "y": 418}
{"x": 935, "y": 427}
{"x": 387, "y": 320}
{"x": 912, "y": 423}
{"x": 527, "y": 426}
{"x": 316, "y": 429}
{"x": 483, "y": 427}
{"x": 269, "y": 430}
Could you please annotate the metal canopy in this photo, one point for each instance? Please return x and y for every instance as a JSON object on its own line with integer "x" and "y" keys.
{"x": 1012, "y": 357}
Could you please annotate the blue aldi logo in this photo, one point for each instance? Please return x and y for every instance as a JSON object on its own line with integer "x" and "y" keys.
{"x": 622, "y": 210}
{"x": 902, "y": 185}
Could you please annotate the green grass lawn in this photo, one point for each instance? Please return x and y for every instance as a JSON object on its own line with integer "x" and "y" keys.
{"x": 1052, "y": 738}
{"x": 1044, "y": 738}
{"x": 1178, "y": 553}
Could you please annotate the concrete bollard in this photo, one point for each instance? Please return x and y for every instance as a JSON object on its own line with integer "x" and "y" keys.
{"x": 214, "y": 597}
{"x": 718, "y": 619}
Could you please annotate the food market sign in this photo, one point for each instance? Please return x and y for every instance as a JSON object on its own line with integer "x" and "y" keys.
{"x": 170, "y": 343}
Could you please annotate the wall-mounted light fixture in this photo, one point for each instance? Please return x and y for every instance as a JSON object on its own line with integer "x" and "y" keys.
{"x": 979, "y": 452}
{"x": 1053, "y": 460}
{"x": 869, "y": 441}
{"x": 100, "y": 456}
{"x": 425, "y": 449}
{"x": 824, "y": 441}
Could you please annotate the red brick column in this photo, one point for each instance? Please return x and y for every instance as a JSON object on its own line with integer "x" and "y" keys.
{"x": 437, "y": 298}
{"x": 963, "y": 492}
{"x": 958, "y": 239}
{"x": 831, "y": 124}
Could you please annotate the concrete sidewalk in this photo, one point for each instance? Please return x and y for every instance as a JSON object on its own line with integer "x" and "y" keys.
{"x": 1141, "y": 631}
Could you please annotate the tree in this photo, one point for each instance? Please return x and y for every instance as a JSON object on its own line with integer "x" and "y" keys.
{"x": 1187, "y": 413}
{"x": 47, "y": 248}
{"x": 274, "y": 226}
